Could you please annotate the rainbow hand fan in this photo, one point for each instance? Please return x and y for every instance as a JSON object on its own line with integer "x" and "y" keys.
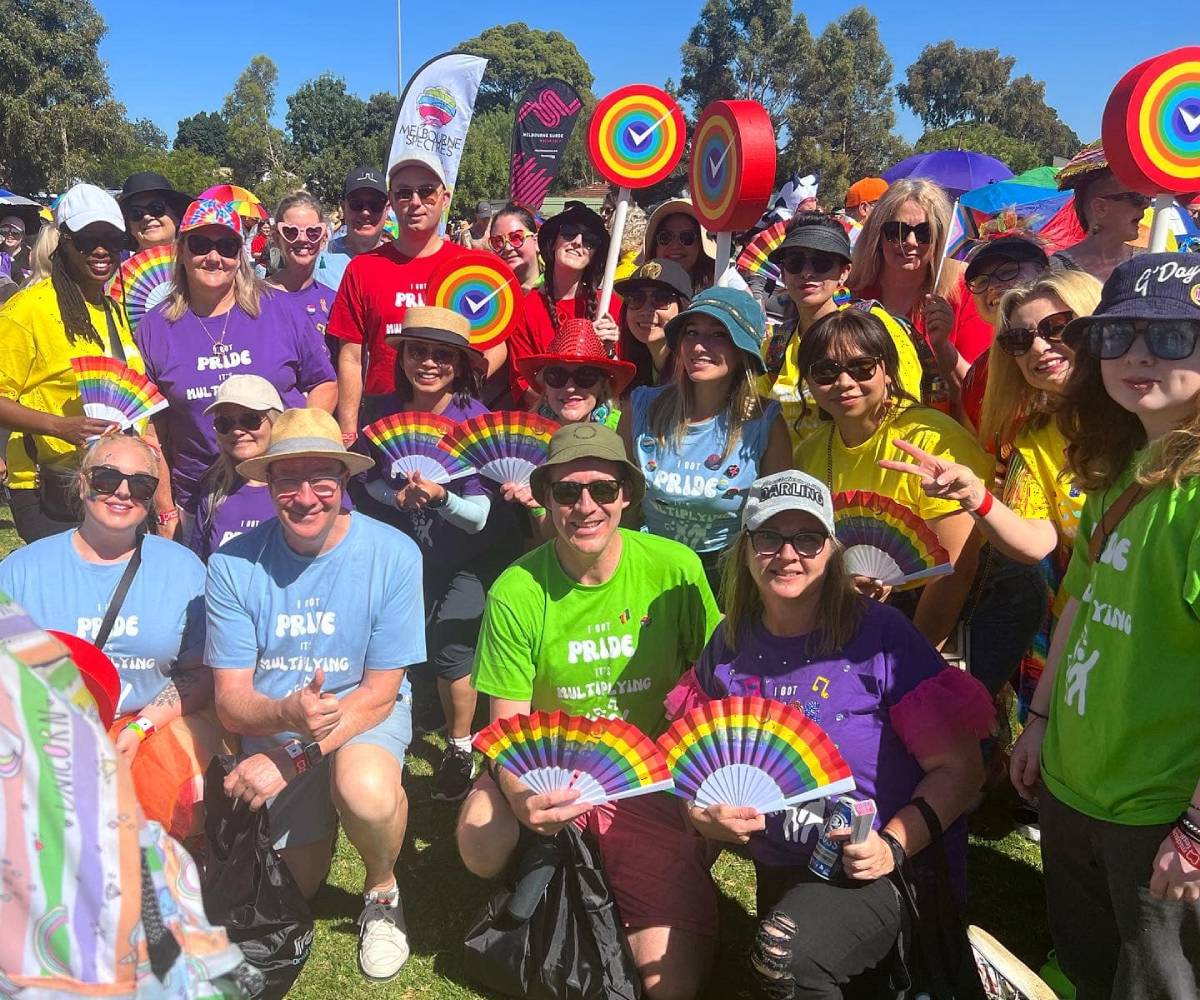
{"x": 113, "y": 391}
{"x": 886, "y": 541}
{"x": 413, "y": 443}
{"x": 752, "y": 752}
{"x": 143, "y": 282}
{"x": 505, "y": 446}
{"x": 754, "y": 257}
{"x": 606, "y": 759}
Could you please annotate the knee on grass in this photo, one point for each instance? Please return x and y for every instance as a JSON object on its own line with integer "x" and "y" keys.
{"x": 369, "y": 794}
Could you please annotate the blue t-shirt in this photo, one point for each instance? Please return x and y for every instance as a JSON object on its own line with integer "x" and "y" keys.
{"x": 161, "y": 619}
{"x": 358, "y": 606}
{"x": 332, "y": 262}
{"x": 693, "y": 494}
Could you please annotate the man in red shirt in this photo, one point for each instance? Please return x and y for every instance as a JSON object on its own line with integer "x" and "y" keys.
{"x": 380, "y": 285}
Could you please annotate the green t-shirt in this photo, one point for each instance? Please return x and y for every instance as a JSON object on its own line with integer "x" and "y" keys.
{"x": 1122, "y": 743}
{"x": 611, "y": 651}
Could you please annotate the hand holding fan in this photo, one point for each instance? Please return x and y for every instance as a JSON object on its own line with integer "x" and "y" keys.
{"x": 505, "y": 446}
{"x": 143, "y": 281}
{"x": 606, "y": 759}
{"x": 886, "y": 541}
{"x": 115, "y": 392}
{"x": 752, "y": 752}
{"x": 413, "y": 443}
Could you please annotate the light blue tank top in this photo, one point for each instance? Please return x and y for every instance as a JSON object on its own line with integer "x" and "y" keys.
{"x": 693, "y": 495}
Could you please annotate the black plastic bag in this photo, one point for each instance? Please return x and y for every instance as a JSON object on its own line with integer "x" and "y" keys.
{"x": 556, "y": 935}
{"x": 248, "y": 890}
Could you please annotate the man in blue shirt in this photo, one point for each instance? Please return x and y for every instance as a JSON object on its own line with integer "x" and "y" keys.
{"x": 312, "y": 619}
{"x": 364, "y": 212}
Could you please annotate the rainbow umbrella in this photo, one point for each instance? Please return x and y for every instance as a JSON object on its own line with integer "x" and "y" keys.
{"x": 243, "y": 202}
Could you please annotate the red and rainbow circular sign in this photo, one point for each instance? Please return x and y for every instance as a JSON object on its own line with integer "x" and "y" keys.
{"x": 733, "y": 164}
{"x": 1151, "y": 128}
{"x": 636, "y": 136}
{"x": 481, "y": 287}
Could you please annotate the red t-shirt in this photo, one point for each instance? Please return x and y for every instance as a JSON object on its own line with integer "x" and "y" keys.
{"x": 532, "y": 335}
{"x": 377, "y": 288}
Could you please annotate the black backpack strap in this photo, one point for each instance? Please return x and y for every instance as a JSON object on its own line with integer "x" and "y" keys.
{"x": 116, "y": 348}
{"x": 118, "y": 597}
{"x": 161, "y": 945}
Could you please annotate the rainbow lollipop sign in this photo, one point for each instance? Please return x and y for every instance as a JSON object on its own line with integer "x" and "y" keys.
{"x": 1151, "y": 129}
{"x": 481, "y": 287}
{"x": 635, "y": 139}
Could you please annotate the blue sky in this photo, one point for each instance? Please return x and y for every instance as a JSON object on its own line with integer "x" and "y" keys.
{"x": 1079, "y": 48}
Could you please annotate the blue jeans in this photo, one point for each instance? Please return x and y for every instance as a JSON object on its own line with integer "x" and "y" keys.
{"x": 1009, "y": 602}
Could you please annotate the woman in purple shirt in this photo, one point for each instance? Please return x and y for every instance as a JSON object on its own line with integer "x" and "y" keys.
{"x": 908, "y": 725}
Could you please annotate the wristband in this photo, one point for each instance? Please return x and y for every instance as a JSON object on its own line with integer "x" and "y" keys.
{"x": 1037, "y": 715}
{"x": 1189, "y": 851}
{"x": 143, "y": 727}
{"x": 295, "y": 750}
{"x": 899, "y": 856}
{"x": 1191, "y": 829}
{"x": 167, "y": 516}
{"x": 985, "y": 505}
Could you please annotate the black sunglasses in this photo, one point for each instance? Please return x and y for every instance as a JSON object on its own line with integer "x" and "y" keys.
{"x": 11, "y": 231}
{"x": 568, "y": 231}
{"x": 897, "y": 232}
{"x": 817, "y": 263}
{"x": 1166, "y": 339}
{"x": 114, "y": 243}
{"x": 1132, "y": 197}
{"x": 372, "y": 205}
{"x": 603, "y": 491}
{"x": 685, "y": 239}
{"x": 420, "y": 352}
{"x": 805, "y": 543}
{"x": 426, "y": 192}
{"x": 1017, "y": 340}
{"x": 583, "y": 377}
{"x": 1002, "y": 273}
{"x": 660, "y": 298}
{"x": 156, "y": 209}
{"x": 106, "y": 480}
{"x": 227, "y": 246}
{"x": 251, "y": 420}
{"x": 828, "y": 371}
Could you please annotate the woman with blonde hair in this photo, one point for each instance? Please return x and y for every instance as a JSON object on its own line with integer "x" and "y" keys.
{"x": 220, "y": 320}
{"x": 300, "y": 234}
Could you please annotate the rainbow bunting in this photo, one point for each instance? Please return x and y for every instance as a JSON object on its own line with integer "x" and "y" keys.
{"x": 413, "y": 442}
{"x": 606, "y": 759}
{"x": 752, "y": 752}
{"x": 115, "y": 392}
{"x": 886, "y": 541}
{"x": 505, "y": 446}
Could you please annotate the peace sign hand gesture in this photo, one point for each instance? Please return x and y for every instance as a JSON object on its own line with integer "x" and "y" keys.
{"x": 940, "y": 478}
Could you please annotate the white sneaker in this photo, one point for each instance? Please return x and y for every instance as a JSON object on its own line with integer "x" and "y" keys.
{"x": 383, "y": 936}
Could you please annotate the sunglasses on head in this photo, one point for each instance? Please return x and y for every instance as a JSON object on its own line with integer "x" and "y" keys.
{"x": 86, "y": 245}
{"x": 426, "y": 192}
{"x": 228, "y": 247}
{"x": 251, "y": 420}
{"x": 685, "y": 239}
{"x": 805, "y": 543}
{"x": 373, "y": 205}
{"x": 602, "y": 491}
{"x": 898, "y": 232}
{"x": 570, "y": 230}
{"x": 444, "y": 356}
{"x": 1166, "y": 339}
{"x": 828, "y": 371}
{"x": 516, "y": 239}
{"x": 1131, "y": 197}
{"x": 106, "y": 480}
{"x": 816, "y": 263}
{"x": 155, "y": 209}
{"x": 660, "y": 298}
{"x": 1017, "y": 340}
{"x": 292, "y": 234}
{"x": 583, "y": 377}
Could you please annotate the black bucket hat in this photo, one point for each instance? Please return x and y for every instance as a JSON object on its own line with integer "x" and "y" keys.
{"x": 577, "y": 213}
{"x": 147, "y": 181}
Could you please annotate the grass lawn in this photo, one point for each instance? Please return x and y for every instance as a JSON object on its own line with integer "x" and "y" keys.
{"x": 441, "y": 898}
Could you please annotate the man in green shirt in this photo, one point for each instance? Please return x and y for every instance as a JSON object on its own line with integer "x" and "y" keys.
{"x": 600, "y": 621}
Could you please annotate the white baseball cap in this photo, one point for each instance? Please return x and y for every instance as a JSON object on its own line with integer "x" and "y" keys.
{"x": 431, "y": 163}
{"x": 251, "y": 391}
{"x": 790, "y": 490}
{"x": 84, "y": 204}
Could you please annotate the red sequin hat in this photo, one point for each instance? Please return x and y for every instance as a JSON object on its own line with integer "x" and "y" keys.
{"x": 576, "y": 344}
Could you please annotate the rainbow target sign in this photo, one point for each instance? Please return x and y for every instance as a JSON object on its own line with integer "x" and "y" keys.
{"x": 733, "y": 164}
{"x": 636, "y": 136}
{"x": 481, "y": 287}
{"x": 1151, "y": 126}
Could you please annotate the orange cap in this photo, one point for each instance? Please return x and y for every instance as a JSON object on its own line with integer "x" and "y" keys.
{"x": 868, "y": 189}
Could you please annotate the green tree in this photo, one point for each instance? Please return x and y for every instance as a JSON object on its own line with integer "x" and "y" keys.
{"x": 257, "y": 149}
{"x": 380, "y": 123}
{"x": 983, "y": 138}
{"x": 709, "y": 55}
{"x": 206, "y": 133}
{"x": 322, "y": 115}
{"x": 483, "y": 172}
{"x": 518, "y": 55}
{"x": 57, "y": 114}
{"x": 187, "y": 169}
{"x": 148, "y": 134}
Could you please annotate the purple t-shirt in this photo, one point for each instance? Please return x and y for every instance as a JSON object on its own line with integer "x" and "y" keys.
{"x": 189, "y": 358}
{"x": 312, "y": 303}
{"x": 849, "y": 694}
{"x": 245, "y": 508}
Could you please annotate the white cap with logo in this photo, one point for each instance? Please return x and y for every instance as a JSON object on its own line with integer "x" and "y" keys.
{"x": 783, "y": 491}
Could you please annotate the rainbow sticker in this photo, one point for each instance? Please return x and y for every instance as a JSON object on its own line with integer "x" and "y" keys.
{"x": 1151, "y": 126}
{"x": 143, "y": 282}
{"x": 636, "y": 136}
{"x": 481, "y": 287}
{"x": 733, "y": 164}
{"x": 112, "y": 391}
{"x": 886, "y": 541}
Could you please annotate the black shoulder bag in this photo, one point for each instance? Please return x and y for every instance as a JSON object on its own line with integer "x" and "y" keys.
{"x": 118, "y": 597}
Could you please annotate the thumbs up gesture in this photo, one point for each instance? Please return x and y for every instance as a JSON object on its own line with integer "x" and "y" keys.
{"x": 315, "y": 713}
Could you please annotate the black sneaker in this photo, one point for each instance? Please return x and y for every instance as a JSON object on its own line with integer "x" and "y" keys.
{"x": 454, "y": 777}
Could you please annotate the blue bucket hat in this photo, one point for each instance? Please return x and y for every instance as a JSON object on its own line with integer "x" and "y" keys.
{"x": 1147, "y": 286}
{"x": 737, "y": 311}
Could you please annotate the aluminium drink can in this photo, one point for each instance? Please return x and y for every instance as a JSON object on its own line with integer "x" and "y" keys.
{"x": 857, "y": 815}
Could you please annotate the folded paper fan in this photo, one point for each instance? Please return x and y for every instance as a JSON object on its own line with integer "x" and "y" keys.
{"x": 606, "y": 759}
{"x": 413, "y": 442}
{"x": 115, "y": 392}
{"x": 143, "y": 282}
{"x": 886, "y": 541}
{"x": 505, "y": 446}
{"x": 754, "y": 259}
{"x": 752, "y": 752}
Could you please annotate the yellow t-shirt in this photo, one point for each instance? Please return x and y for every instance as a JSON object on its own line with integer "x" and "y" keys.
{"x": 1035, "y": 487}
{"x": 35, "y": 368}
{"x": 798, "y": 407}
{"x": 824, "y": 455}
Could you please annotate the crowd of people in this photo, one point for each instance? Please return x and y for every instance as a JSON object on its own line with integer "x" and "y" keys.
{"x": 279, "y": 592}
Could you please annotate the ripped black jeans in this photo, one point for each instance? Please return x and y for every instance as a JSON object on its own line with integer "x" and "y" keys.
{"x": 816, "y": 936}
